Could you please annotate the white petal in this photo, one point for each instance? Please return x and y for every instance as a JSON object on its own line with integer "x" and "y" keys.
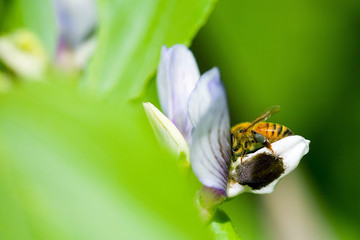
{"x": 176, "y": 78}
{"x": 84, "y": 52}
{"x": 210, "y": 149}
{"x": 290, "y": 149}
{"x": 204, "y": 95}
{"x": 166, "y": 132}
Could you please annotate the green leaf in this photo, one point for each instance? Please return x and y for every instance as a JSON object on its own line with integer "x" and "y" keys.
{"x": 72, "y": 168}
{"x": 130, "y": 37}
{"x": 39, "y": 16}
{"x": 222, "y": 227}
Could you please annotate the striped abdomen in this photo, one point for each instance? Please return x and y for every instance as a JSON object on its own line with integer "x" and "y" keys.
{"x": 272, "y": 131}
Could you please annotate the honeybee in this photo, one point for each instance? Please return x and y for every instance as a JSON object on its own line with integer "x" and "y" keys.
{"x": 250, "y": 136}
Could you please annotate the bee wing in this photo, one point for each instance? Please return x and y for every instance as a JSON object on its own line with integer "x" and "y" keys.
{"x": 265, "y": 115}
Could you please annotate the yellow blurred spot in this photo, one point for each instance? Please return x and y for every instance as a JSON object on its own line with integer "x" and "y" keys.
{"x": 23, "y": 53}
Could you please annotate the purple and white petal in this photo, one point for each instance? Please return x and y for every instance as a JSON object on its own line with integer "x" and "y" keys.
{"x": 210, "y": 148}
{"x": 176, "y": 79}
{"x": 76, "y": 20}
{"x": 204, "y": 94}
{"x": 289, "y": 150}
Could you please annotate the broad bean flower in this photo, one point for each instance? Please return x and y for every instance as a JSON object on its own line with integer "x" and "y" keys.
{"x": 77, "y": 21}
{"x": 197, "y": 124}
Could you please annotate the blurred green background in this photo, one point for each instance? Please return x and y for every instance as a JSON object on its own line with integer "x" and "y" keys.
{"x": 78, "y": 159}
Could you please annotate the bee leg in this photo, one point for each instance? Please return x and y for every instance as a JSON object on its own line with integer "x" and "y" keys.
{"x": 267, "y": 144}
{"x": 242, "y": 156}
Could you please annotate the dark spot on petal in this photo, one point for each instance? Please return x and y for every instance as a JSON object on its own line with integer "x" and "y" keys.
{"x": 260, "y": 171}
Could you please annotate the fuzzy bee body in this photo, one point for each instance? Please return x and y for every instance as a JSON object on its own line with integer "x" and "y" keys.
{"x": 250, "y": 136}
{"x": 272, "y": 131}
